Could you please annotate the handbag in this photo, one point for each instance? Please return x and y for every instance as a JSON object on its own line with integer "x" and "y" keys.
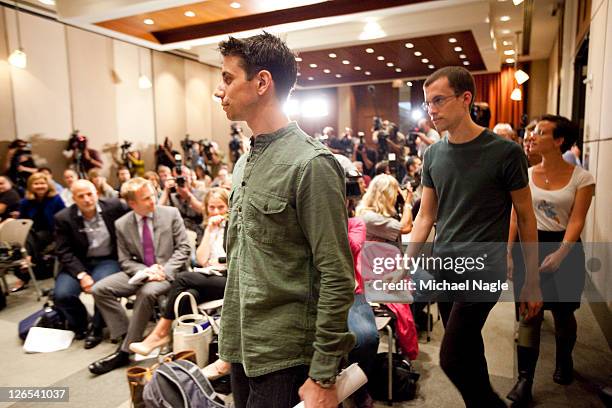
{"x": 192, "y": 331}
{"x": 138, "y": 376}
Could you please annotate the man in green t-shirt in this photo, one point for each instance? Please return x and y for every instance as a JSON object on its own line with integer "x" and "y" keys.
{"x": 471, "y": 180}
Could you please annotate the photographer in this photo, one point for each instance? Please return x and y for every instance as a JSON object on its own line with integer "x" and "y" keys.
{"x": 19, "y": 163}
{"x": 366, "y": 155}
{"x": 377, "y": 210}
{"x": 427, "y": 134}
{"x": 413, "y": 176}
{"x": 342, "y": 145}
{"x": 213, "y": 157}
{"x": 164, "y": 156}
{"x": 180, "y": 193}
{"x": 238, "y": 144}
{"x": 82, "y": 156}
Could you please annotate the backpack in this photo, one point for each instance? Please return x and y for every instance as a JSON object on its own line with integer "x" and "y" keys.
{"x": 49, "y": 316}
{"x": 404, "y": 378}
{"x": 178, "y": 384}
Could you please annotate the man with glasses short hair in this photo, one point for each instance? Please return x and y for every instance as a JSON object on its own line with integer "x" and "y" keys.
{"x": 471, "y": 179}
{"x": 87, "y": 251}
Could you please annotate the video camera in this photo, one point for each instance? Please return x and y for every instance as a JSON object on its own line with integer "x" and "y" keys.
{"x": 207, "y": 146}
{"x": 126, "y": 146}
{"x": 186, "y": 143}
{"x": 77, "y": 142}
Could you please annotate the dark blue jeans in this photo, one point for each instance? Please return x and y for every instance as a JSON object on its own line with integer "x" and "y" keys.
{"x": 67, "y": 291}
{"x": 274, "y": 390}
{"x": 362, "y": 323}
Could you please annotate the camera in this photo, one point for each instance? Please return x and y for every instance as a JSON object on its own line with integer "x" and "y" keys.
{"x": 235, "y": 144}
{"x": 180, "y": 178}
{"x": 186, "y": 143}
{"x": 126, "y": 145}
{"x": 207, "y": 145}
{"x": 22, "y": 146}
{"x": 77, "y": 142}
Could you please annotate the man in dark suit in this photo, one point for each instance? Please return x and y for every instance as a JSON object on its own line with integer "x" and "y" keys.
{"x": 153, "y": 248}
{"x": 87, "y": 251}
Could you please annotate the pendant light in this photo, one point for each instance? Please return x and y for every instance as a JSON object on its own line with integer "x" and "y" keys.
{"x": 18, "y": 57}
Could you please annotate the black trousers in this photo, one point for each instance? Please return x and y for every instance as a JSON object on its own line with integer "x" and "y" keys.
{"x": 274, "y": 390}
{"x": 462, "y": 354}
{"x": 203, "y": 287}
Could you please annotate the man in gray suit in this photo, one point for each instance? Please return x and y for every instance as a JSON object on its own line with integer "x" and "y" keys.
{"x": 152, "y": 248}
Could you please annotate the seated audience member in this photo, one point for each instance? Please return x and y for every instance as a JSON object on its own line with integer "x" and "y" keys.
{"x": 40, "y": 204}
{"x": 9, "y": 199}
{"x": 152, "y": 249}
{"x": 70, "y": 176}
{"x": 427, "y": 136}
{"x": 87, "y": 251}
{"x": 203, "y": 287}
{"x": 505, "y": 130}
{"x": 154, "y": 179}
{"x": 102, "y": 187}
{"x": 413, "y": 176}
{"x": 532, "y": 158}
{"x": 58, "y": 187}
{"x": 368, "y": 156}
{"x": 366, "y": 178}
{"x": 382, "y": 168}
{"x": 223, "y": 180}
{"x": 377, "y": 210}
{"x": 186, "y": 199}
{"x": 164, "y": 173}
{"x": 123, "y": 175}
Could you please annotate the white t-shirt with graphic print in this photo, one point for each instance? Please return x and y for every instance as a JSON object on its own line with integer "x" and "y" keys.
{"x": 553, "y": 207}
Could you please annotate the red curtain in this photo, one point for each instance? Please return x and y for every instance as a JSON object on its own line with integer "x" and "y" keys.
{"x": 495, "y": 89}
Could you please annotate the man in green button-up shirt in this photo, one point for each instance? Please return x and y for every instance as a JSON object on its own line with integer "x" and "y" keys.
{"x": 290, "y": 271}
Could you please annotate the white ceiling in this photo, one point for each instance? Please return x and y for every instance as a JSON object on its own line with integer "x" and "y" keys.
{"x": 421, "y": 19}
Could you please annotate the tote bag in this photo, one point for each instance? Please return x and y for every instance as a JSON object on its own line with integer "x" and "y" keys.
{"x": 192, "y": 331}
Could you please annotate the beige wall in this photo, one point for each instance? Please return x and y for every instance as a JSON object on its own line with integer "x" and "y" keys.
{"x": 7, "y": 114}
{"x": 88, "y": 81}
{"x": 344, "y": 108}
{"x": 538, "y": 88}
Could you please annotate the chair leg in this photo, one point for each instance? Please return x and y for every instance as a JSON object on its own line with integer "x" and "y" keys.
{"x": 427, "y": 325}
{"x": 32, "y": 276}
{"x": 390, "y": 364}
{"x": 5, "y": 287}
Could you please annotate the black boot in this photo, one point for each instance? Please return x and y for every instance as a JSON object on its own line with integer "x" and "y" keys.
{"x": 564, "y": 370}
{"x": 521, "y": 392}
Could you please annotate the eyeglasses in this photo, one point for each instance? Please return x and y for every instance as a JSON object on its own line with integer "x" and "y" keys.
{"x": 436, "y": 102}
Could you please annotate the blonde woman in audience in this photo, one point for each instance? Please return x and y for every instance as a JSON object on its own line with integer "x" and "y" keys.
{"x": 377, "y": 209}
{"x": 203, "y": 287}
{"x": 40, "y": 204}
{"x": 104, "y": 189}
{"x": 561, "y": 194}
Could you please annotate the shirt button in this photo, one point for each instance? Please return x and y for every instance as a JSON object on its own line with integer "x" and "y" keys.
{"x": 239, "y": 209}
{"x": 243, "y": 184}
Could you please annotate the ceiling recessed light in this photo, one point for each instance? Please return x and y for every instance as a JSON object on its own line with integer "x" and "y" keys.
{"x": 409, "y": 45}
{"x": 313, "y": 65}
{"x": 235, "y": 5}
{"x": 508, "y": 52}
{"x": 506, "y": 31}
{"x": 390, "y": 64}
{"x": 462, "y": 56}
{"x": 506, "y": 43}
{"x": 510, "y": 60}
{"x": 368, "y": 73}
{"x": 458, "y": 49}
{"x": 189, "y": 13}
{"x": 452, "y": 40}
{"x": 504, "y": 18}
{"x": 398, "y": 70}
{"x": 148, "y": 21}
{"x": 346, "y": 62}
{"x": 327, "y": 71}
{"x": 48, "y": 2}
{"x": 424, "y": 60}
{"x": 338, "y": 76}
{"x": 466, "y": 62}
{"x": 298, "y": 59}
{"x": 357, "y": 68}
{"x": 418, "y": 53}
{"x": 408, "y": 83}
{"x": 310, "y": 78}
{"x": 369, "y": 50}
{"x": 332, "y": 55}
{"x": 431, "y": 66}
{"x": 380, "y": 58}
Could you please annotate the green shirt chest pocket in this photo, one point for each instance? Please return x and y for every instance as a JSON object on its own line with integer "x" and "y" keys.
{"x": 268, "y": 218}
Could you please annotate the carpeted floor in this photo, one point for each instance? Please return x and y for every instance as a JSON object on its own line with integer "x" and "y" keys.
{"x": 68, "y": 368}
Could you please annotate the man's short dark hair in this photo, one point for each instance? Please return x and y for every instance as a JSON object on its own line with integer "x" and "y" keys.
{"x": 264, "y": 51}
{"x": 459, "y": 78}
{"x": 122, "y": 168}
{"x": 564, "y": 128}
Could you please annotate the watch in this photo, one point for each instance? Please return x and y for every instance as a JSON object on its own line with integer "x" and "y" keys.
{"x": 326, "y": 383}
{"x": 81, "y": 275}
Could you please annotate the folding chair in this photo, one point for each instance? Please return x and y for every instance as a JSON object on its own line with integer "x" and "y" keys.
{"x": 15, "y": 232}
{"x": 383, "y": 324}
